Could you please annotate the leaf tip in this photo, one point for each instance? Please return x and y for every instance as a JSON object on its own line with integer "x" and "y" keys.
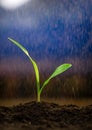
{"x": 70, "y": 65}
{"x": 9, "y": 39}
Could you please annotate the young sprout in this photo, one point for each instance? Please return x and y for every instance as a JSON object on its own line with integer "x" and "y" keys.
{"x": 60, "y": 69}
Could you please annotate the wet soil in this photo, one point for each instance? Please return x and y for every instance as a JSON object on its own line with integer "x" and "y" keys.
{"x": 45, "y": 116}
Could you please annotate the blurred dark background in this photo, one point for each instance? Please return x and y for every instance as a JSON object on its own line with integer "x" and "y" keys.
{"x": 54, "y": 32}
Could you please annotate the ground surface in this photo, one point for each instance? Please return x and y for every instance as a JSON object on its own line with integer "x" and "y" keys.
{"x": 45, "y": 116}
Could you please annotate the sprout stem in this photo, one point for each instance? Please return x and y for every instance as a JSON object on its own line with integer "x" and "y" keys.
{"x": 38, "y": 97}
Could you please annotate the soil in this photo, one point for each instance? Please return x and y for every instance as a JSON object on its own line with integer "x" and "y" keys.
{"x": 45, "y": 116}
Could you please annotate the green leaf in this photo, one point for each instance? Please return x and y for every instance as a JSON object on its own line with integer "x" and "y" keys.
{"x": 62, "y": 68}
{"x": 19, "y": 45}
{"x": 36, "y": 72}
{"x": 33, "y": 62}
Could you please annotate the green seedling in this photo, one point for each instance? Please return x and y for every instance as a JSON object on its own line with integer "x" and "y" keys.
{"x": 60, "y": 69}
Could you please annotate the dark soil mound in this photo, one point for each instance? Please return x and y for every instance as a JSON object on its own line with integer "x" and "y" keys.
{"x": 45, "y": 116}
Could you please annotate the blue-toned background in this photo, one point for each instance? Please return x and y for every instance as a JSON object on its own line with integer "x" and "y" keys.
{"x": 53, "y": 31}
